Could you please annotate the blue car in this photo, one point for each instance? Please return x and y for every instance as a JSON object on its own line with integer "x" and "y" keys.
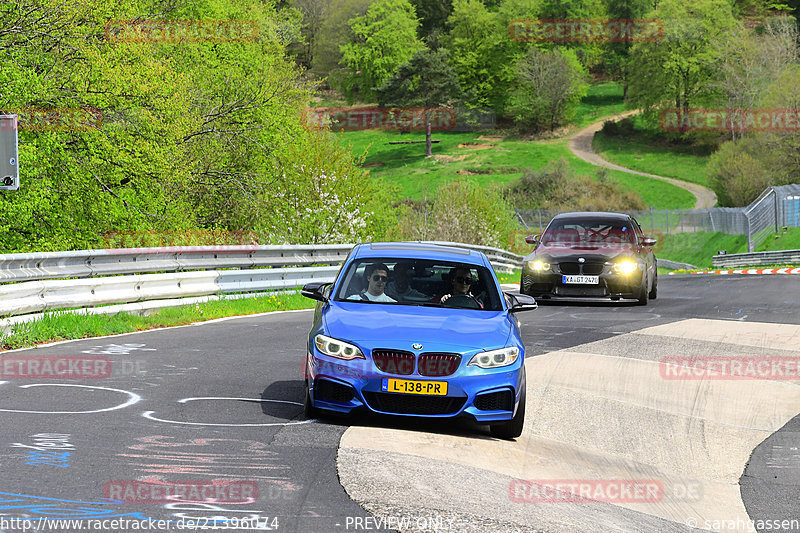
{"x": 417, "y": 329}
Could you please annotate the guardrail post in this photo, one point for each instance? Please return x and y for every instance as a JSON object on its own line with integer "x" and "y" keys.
{"x": 749, "y": 237}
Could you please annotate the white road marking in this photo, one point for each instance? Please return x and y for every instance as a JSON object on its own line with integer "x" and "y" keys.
{"x": 133, "y": 398}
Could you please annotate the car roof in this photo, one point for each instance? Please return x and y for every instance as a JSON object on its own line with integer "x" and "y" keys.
{"x": 418, "y": 250}
{"x": 600, "y": 215}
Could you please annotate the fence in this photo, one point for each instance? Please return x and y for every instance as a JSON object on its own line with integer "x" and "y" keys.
{"x": 61, "y": 280}
{"x": 775, "y": 207}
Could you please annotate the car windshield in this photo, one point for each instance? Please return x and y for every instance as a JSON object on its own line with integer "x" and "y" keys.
{"x": 394, "y": 281}
{"x": 589, "y": 231}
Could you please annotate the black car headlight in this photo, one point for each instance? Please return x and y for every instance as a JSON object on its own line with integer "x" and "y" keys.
{"x": 337, "y": 348}
{"x": 495, "y": 358}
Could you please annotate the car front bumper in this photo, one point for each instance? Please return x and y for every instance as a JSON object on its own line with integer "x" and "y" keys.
{"x": 485, "y": 395}
{"x": 611, "y": 285}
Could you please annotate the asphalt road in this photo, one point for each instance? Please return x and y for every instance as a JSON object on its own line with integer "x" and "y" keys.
{"x": 183, "y": 408}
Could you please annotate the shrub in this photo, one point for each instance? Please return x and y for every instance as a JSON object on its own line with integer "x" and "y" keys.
{"x": 557, "y": 187}
{"x": 461, "y": 211}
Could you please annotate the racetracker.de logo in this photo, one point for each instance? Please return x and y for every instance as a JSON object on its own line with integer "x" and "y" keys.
{"x": 381, "y": 118}
{"x": 691, "y": 368}
{"x": 54, "y": 119}
{"x": 585, "y": 490}
{"x": 181, "y": 31}
{"x": 728, "y": 120}
{"x": 55, "y": 367}
{"x": 585, "y": 30}
{"x": 162, "y": 492}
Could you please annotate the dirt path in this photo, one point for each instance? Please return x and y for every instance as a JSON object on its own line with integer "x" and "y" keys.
{"x": 581, "y": 145}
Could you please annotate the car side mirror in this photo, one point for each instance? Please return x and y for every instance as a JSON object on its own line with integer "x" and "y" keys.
{"x": 314, "y": 290}
{"x": 532, "y": 239}
{"x": 521, "y": 302}
{"x": 649, "y": 241}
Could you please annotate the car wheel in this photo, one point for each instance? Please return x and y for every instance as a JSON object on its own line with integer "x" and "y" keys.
{"x": 511, "y": 429}
{"x": 643, "y": 292}
{"x": 654, "y": 291}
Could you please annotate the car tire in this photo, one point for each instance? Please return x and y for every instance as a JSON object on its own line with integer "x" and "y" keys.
{"x": 308, "y": 405}
{"x": 644, "y": 292}
{"x": 511, "y": 429}
{"x": 654, "y": 291}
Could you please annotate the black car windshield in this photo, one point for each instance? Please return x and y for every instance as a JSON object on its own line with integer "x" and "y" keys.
{"x": 422, "y": 282}
{"x": 591, "y": 231}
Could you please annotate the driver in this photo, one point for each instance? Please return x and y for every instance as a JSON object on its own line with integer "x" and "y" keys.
{"x": 461, "y": 280}
{"x": 400, "y": 287}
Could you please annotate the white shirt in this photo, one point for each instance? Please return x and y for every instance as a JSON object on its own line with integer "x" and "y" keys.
{"x": 371, "y": 298}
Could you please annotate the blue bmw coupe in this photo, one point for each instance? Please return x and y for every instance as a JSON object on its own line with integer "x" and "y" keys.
{"x": 417, "y": 329}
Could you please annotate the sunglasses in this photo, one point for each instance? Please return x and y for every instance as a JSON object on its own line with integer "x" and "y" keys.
{"x": 465, "y": 281}
{"x": 379, "y": 278}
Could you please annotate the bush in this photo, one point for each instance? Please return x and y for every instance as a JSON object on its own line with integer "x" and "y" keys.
{"x": 736, "y": 173}
{"x": 557, "y": 187}
{"x": 618, "y": 129}
{"x": 461, "y": 211}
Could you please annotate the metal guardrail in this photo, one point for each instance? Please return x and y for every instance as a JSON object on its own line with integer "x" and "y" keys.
{"x": 782, "y": 257}
{"x": 105, "y": 277}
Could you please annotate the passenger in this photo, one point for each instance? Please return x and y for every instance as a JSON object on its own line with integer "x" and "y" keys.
{"x": 400, "y": 287}
{"x": 461, "y": 281}
{"x": 377, "y": 275}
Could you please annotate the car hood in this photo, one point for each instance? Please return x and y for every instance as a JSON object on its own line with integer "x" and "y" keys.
{"x": 567, "y": 252}
{"x": 433, "y": 327}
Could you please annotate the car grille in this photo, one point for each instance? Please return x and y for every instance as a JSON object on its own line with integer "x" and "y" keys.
{"x": 589, "y": 269}
{"x": 394, "y": 361}
{"x": 495, "y": 401}
{"x": 330, "y": 391}
{"x": 438, "y": 364}
{"x": 412, "y": 404}
{"x": 563, "y": 290}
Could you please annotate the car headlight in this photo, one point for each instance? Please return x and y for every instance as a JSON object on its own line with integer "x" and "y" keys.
{"x": 538, "y": 265}
{"x": 337, "y": 348}
{"x": 495, "y": 358}
{"x": 626, "y": 267}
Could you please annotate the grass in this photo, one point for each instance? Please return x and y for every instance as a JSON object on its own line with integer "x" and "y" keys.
{"x": 488, "y": 161}
{"x": 495, "y": 157}
{"x": 645, "y": 152}
{"x": 788, "y": 239}
{"x": 698, "y": 248}
{"x": 601, "y": 100}
{"x": 62, "y": 325}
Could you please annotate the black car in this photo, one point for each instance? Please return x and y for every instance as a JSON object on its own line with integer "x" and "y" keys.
{"x": 591, "y": 255}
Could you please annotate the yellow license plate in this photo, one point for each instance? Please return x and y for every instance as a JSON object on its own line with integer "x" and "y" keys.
{"x": 408, "y": 386}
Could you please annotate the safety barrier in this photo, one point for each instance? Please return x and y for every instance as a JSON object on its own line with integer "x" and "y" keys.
{"x": 90, "y": 278}
{"x": 782, "y": 257}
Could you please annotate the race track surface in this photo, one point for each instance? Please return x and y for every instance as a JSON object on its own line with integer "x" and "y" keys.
{"x": 612, "y": 409}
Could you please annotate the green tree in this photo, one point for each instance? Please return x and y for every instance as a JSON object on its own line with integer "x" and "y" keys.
{"x": 333, "y": 33}
{"x": 482, "y": 54}
{"x": 617, "y": 55}
{"x": 678, "y": 69}
{"x": 426, "y": 81}
{"x": 551, "y": 83}
{"x": 382, "y": 40}
{"x": 432, "y": 15}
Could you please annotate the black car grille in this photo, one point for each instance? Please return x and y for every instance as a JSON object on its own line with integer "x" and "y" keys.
{"x": 581, "y": 290}
{"x": 568, "y": 268}
{"x": 412, "y": 404}
{"x": 438, "y": 364}
{"x": 495, "y": 401}
{"x": 394, "y": 361}
{"x": 589, "y": 269}
{"x": 330, "y": 391}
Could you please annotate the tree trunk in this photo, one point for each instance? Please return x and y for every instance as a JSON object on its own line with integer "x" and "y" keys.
{"x": 428, "y": 151}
